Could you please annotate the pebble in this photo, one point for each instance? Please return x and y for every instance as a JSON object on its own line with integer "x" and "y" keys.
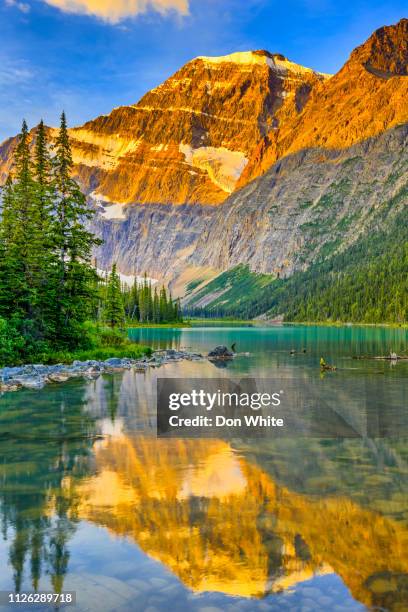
{"x": 36, "y": 376}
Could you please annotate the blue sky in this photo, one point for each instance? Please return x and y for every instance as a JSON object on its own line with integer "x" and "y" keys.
{"x": 88, "y": 56}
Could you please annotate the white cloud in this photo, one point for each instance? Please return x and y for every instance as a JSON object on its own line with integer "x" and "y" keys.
{"x": 21, "y": 6}
{"x": 14, "y": 72}
{"x": 114, "y": 11}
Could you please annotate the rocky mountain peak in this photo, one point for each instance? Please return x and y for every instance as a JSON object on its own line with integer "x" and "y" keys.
{"x": 366, "y": 97}
{"x": 385, "y": 53}
{"x": 276, "y": 62}
{"x": 188, "y": 140}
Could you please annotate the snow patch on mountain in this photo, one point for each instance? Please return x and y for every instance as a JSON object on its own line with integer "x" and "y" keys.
{"x": 278, "y": 63}
{"x": 223, "y": 166}
{"x": 105, "y": 151}
{"x": 128, "y": 279}
{"x": 108, "y": 209}
{"x": 240, "y": 57}
{"x": 114, "y": 211}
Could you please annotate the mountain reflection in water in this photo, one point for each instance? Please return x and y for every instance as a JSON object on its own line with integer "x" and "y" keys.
{"x": 223, "y": 524}
{"x": 250, "y": 519}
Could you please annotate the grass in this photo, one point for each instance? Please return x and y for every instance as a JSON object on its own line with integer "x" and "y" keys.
{"x": 133, "y": 325}
{"x": 196, "y": 321}
{"x": 136, "y": 351}
{"x": 100, "y": 343}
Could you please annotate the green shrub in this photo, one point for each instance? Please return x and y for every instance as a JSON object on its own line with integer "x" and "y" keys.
{"x": 98, "y": 342}
{"x": 19, "y": 344}
{"x": 12, "y": 344}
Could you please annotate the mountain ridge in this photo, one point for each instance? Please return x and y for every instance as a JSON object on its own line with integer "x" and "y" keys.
{"x": 352, "y": 105}
{"x": 305, "y": 207}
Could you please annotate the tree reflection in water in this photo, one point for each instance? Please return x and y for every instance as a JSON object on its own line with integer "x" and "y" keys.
{"x": 41, "y": 444}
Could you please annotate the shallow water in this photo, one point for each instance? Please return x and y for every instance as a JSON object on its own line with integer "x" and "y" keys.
{"x": 92, "y": 501}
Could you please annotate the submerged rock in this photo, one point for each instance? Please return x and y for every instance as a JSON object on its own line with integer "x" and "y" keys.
{"x": 30, "y": 382}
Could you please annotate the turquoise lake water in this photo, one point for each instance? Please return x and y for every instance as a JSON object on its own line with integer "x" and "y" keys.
{"x": 92, "y": 501}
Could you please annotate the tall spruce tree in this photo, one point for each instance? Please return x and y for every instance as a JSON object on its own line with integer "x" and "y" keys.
{"x": 163, "y": 309}
{"x": 134, "y": 301}
{"x": 156, "y": 307}
{"x": 73, "y": 242}
{"x": 22, "y": 256}
{"x": 144, "y": 300}
{"x": 45, "y": 189}
{"x": 114, "y": 310}
{"x": 47, "y": 282}
{"x": 6, "y": 232}
{"x": 44, "y": 202}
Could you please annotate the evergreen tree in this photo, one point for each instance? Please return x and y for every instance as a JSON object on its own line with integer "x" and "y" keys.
{"x": 170, "y": 315}
{"x": 6, "y": 268}
{"x": 114, "y": 311}
{"x": 45, "y": 192}
{"x": 163, "y": 305}
{"x": 178, "y": 316}
{"x": 24, "y": 236}
{"x": 144, "y": 300}
{"x": 73, "y": 243}
{"x": 134, "y": 301}
{"x": 44, "y": 203}
{"x": 156, "y": 307}
{"x": 48, "y": 286}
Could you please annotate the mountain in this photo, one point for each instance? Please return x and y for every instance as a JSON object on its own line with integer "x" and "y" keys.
{"x": 367, "y": 96}
{"x": 187, "y": 140}
{"x": 248, "y": 160}
{"x": 307, "y": 207}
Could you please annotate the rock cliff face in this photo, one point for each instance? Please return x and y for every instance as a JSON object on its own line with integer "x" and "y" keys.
{"x": 157, "y": 238}
{"x": 307, "y": 206}
{"x": 367, "y": 96}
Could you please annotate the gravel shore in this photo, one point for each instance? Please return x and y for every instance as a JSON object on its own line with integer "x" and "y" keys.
{"x": 36, "y": 376}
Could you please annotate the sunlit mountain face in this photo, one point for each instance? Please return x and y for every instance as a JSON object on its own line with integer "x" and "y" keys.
{"x": 188, "y": 140}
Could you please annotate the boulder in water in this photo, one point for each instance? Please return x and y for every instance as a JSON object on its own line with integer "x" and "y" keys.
{"x": 220, "y": 352}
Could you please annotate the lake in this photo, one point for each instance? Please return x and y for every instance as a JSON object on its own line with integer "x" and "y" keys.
{"x": 91, "y": 501}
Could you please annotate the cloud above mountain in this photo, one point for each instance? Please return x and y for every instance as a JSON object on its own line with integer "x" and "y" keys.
{"x": 114, "y": 11}
{"x": 23, "y": 7}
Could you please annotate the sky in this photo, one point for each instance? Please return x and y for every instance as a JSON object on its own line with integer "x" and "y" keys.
{"x": 89, "y": 56}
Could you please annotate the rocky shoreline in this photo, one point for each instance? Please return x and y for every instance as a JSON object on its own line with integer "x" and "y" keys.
{"x": 36, "y": 376}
